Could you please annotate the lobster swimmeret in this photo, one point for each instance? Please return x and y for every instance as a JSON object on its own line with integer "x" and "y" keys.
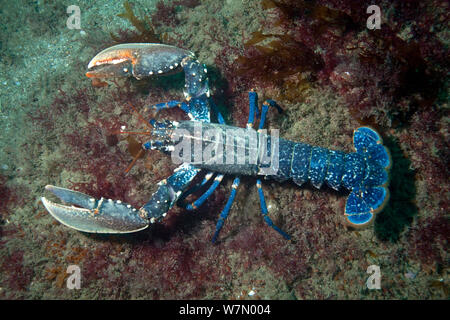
{"x": 363, "y": 172}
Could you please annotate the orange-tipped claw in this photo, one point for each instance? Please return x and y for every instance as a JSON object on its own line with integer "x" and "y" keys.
{"x": 136, "y": 59}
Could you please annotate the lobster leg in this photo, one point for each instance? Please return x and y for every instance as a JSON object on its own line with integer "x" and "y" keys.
{"x": 196, "y": 108}
{"x": 253, "y": 108}
{"x": 262, "y": 200}
{"x": 265, "y": 213}
{"x": 157, "y": 145}
{"x": 253, "y": 113}
{"x": 181, "y": 202}
{"x": 265, "y": 107}
{"x": 224, "y": 214}
{"x": 140, "y": 60}
{"x": 168, "y": 192}
{"x": 169, "y": 105}
{"x": 197, "y": 203}
{"x": 109, "y": 216}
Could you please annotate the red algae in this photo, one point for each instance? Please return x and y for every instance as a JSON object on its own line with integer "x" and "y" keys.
{"x": 374, "y": 71}
{"x": 6, "y": 197}
{"x": 17, "y": 275}
{"x": 430, "y": 240}
{"x": 166, "y": 12}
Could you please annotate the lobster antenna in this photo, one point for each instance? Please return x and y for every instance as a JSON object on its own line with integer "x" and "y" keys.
{"x": 145, "y": 133}
{"x": 140, "y": 116}
{"x": 137, "y": 156}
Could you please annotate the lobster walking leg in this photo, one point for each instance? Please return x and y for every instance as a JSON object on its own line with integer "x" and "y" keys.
{"x": 253, "y": 108}
{"x": 265, "y": 107}
{"x": 169, "y": 105}
{"x": 262, "y": 200}
{"x": 253, "y": 113}
{"x": 181, "y": 202}
{"x": 253, "y": 102}
{"x": 224, "y": 214}
{"x": 197, "y": 203}
{"x": 265, "y": 212}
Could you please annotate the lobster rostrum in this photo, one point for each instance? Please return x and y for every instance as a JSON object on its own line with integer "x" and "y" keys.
{"x": 363, "y": 172}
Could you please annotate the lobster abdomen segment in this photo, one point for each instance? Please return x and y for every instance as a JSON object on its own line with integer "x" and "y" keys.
{"x": 335, "y": 169}
{"x": 302, "y": 163}
{"x": 364, "y": 172}
{"x": 308, "y": 163}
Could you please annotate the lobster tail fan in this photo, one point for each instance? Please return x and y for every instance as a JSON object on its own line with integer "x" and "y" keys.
{"x": 362, "y": 205}
{"x": 369, "y": 144}
{"x": 372, "y": 195}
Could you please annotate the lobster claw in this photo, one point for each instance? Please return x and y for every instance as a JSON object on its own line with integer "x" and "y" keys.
{"x": 138, "y": 60}
{"x": 96, "y": 216}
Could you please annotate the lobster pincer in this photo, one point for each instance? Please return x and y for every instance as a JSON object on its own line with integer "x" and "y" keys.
{"x": 93, "y": 215}
{"x": 138, "y": 60}
{"x": 114, "y": 216}
{"x": 141, "y": 60}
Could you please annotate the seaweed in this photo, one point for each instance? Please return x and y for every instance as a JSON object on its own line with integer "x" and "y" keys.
{"x": 323, "y": 17}
{"x": 10, "y": 196}
{"x": 166, "y": 11}
{"x": 385, "y": 76}
{"x": 283, "y": 62}
{"x": 275, "y": 61}
{"x": 145, "y": 30}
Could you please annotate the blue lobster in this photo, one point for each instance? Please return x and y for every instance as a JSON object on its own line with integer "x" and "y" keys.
{"x": 363, "y": 172}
